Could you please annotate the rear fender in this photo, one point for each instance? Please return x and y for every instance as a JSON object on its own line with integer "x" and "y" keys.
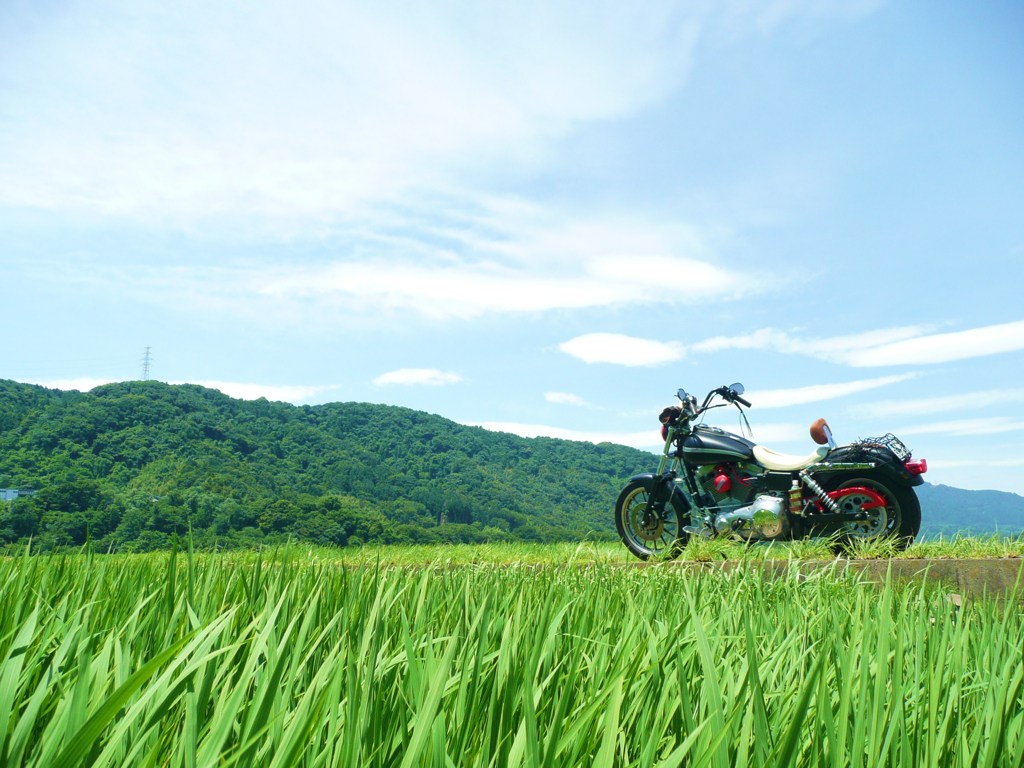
{"x": 887, "y": 466}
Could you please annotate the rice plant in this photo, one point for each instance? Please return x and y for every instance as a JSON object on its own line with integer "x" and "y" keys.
{"x": 302, "y": 658}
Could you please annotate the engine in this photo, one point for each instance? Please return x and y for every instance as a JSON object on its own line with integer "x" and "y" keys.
{"x": 746, "y": 511}
{"x": 732, "y": 484}
{"x": 764, "y": 519}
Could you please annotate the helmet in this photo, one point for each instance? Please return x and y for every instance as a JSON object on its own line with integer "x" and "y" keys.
{"x": 820, "y": 433}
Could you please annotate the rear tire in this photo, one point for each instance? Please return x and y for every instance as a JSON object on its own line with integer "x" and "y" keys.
{"x": 899, "y": 520}
{"x": 657, "y": 533}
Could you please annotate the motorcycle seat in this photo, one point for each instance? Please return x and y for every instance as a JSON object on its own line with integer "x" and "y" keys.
{"x": 784, "y": 462}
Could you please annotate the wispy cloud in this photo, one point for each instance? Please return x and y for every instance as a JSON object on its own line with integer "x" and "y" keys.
{"x": 309, "y": 108}
{"x": 625, "y": 350}
{"x": 312, "y": 108}
{"x": 646, "y": 440}
{"x": 377, "y": 131}
{"x": 494, "y": 256}
{"x": 619, "y": 349}
{"x": 407, "y": 377}
{"x": 905, "y": 345}
{"x": 987, "y": 461}
{"x": 833, "y": 349}
{"x": 505, "y": 276}
{"x": 814, "y": 393}
{"x": 771, "y": 434}
{"x": 78, "y": 384}
{"x": 289, "y": 393}
{"x": 943, "y": 347}
{"x": 564, "y": 398}
{"x": 950, "y": 404}
{"x": 964, "y": 427}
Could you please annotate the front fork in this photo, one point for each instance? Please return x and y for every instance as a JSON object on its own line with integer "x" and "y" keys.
{"x": 664, "y": 484}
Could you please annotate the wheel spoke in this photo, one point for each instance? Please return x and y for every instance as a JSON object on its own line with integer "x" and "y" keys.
{"x": 648, "y": 532}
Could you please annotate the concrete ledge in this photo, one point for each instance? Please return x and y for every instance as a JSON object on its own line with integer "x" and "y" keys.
{"x": 992, "y": 577}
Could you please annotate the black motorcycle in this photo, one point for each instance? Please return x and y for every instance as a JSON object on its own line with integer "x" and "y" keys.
{"x": 714, "y": 483}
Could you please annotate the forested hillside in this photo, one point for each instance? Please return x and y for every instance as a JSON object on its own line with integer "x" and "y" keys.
{"x": 130, "y": 465}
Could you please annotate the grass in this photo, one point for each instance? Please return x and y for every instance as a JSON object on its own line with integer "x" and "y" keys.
{"x": 700, "y": 550}
{"x": 512, "y": 655}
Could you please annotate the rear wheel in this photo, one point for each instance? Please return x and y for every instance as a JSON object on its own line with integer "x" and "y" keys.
{"x": 899, "y": 519}
{"x": 650, "y": 531}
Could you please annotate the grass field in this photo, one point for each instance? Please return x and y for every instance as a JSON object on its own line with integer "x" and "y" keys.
{"x": 547, "y": 655}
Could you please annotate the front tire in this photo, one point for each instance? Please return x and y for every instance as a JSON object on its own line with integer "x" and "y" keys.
{"x": 650, "y": 533}
{"x": 899, "y": 520}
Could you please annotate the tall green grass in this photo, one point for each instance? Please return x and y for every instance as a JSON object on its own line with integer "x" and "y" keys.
{"x": 298, "y": 658}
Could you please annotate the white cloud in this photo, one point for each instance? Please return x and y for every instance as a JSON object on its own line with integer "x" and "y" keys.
{"x": 986, "y": 461}
{"x": 964, "y": 427}
{"x": 430, "y": 377}
{"x": 833, "y": 349}
{"x": 952, "y": 404}
{"x": 814, "y": 393}
{"x": 564, "y": 398}
{"x": 289, "y": 393}
{"x": 466, "y": 290}
{"x": 80, "y": 384}
{"x": 373, "y": 129}
{"x": 309, "y": 108}
{"x": 492, "y": 256}
{"x": 619, "y": 349}
{"x": 906, "y": 345}
{"x": 769, "y": 15}
{"x": 647, "y": 440}
{"x": 944, "y": 347}
{"x": 509, "y": 257}
{"x": 771, "y": 434}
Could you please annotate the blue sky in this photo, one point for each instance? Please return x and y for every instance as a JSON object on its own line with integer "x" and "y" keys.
{"x": 542, "y": 217}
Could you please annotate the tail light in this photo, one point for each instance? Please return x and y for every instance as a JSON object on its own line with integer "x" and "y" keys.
{"x": 916, "y": 467}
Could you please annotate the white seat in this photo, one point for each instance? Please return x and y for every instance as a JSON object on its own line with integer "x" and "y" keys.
{"x": 784, "y": 462}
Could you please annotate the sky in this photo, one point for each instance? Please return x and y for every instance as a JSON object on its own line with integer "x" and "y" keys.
{"x": 537, "y": 217}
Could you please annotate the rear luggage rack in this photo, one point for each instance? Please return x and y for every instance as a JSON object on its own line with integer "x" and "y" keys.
{"x": 888, "y": 441}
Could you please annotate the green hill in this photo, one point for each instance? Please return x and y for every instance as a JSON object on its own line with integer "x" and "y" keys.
{"x": 131, "y": 464}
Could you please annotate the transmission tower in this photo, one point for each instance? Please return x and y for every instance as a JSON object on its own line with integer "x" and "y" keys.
{"x": 146, "y": 358}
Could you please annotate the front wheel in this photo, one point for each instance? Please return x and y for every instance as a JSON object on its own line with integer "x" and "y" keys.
{"x": 899, "y": 519}
{"x": 650, "y": 530}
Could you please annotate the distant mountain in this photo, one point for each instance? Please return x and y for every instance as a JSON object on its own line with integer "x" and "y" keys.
{"x": 130, "y": 465}
{"x": 946, "y": 510}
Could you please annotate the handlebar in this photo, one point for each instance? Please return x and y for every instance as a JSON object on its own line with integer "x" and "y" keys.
{"x": 688, "y": 410}
{"x": 729, "y": 394}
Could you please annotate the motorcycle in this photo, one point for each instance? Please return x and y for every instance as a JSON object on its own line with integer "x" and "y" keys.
{"x": 713, "y": 483}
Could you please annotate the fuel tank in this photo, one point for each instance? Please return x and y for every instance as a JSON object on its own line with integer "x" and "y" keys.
{"x": 711, "y": 445}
